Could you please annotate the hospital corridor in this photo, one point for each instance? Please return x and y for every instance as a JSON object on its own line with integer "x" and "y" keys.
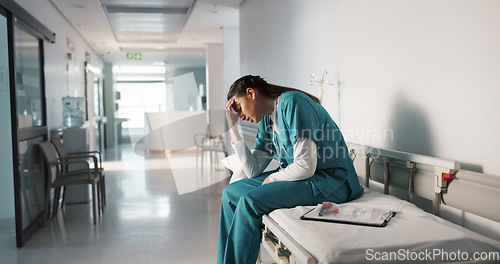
{"x": 145, "y": 219}
{"x": 249, "y": 131}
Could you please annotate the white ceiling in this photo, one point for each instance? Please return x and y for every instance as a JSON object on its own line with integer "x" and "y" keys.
{"x": 173, "y": 32}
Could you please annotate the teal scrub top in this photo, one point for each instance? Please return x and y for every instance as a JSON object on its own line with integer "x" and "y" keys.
{"x": 298, "y": 116}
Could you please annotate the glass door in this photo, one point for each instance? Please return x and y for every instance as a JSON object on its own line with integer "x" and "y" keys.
{"x": 30, "y": 117}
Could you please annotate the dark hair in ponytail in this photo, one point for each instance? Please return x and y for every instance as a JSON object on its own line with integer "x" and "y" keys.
{"x": 239, "y": 88}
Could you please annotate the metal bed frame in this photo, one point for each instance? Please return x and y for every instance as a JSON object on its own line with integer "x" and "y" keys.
{"x": 285, "y": 249}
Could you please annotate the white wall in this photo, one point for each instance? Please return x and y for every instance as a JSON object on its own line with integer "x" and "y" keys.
{"x": 417, "y": 76}
{"x": 232, "y": 72}
{"x": 56, "y": 76}
{"x": 432, "y": 67}
{"x": 231, "y": 58}
{"x": 425, "y": 70}
{"x": 286, "y": 41}
{"x": 215, "y": 88}
{"x": 109, "y": 104}
{"x": 215, "y": 73}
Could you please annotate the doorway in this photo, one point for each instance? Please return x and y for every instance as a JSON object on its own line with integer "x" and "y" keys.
{"x": 136, "y": 99}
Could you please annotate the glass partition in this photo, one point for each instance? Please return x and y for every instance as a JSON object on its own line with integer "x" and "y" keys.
{"x": 28, "y": 81}
{"x": 32, "y": 180}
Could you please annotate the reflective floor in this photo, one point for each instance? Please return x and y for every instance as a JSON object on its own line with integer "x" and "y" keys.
{"x": 145, "y": 220}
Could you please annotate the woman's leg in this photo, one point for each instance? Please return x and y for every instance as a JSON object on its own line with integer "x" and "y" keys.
{"x": 230, "y": 198}
{"x": 243, "y": 237}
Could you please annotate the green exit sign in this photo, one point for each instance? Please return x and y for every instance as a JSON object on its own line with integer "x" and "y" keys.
{"x": 134, "y": 56}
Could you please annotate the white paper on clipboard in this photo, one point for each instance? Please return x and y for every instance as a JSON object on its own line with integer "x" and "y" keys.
{"x": 350, "y": 214}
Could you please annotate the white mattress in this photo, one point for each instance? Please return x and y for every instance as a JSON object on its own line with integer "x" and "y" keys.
{"x": 411, "y": 232}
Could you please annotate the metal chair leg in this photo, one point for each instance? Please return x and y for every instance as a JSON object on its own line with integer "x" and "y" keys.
{"x": 94, "y": 200}
{"x": 99, "y": 197}
{"x": 103, "y": 188}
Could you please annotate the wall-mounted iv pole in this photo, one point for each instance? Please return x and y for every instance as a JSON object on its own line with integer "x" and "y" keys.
{"x": 320, "y": 83}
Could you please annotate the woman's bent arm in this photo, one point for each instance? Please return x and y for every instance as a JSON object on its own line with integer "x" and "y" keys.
{"x": 255, "y": 162}
{"x": 304, "y": 164}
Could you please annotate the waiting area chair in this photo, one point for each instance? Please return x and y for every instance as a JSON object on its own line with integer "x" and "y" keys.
{"x": 211, "y": 144}
{"x": 58, "y": 176}
{"x": 63, "y": 154}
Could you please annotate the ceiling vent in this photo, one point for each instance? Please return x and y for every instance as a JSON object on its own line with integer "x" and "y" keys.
{"x": 151, "y": 20}
{"x": 147, "y": 10}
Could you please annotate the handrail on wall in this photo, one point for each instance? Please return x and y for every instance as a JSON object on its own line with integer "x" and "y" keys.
{"x": 443, "y": 169}
{"x": 379, "y": 152}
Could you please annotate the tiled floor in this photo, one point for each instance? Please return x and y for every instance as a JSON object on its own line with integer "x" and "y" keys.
{"x": 145, "y": 220}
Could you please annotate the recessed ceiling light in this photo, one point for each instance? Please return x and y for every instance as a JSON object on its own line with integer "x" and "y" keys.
{"x": 156, "y": 36}
{"x": 78, "y": 6}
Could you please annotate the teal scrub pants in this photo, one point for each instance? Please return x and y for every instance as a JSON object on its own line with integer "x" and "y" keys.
{"x": 245, "y": 201}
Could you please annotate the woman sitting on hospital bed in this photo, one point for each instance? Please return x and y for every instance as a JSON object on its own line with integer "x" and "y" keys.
{"x": 297, "y": 131}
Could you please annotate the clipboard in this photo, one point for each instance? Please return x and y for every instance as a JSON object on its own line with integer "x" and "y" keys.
{"x": 349, "y": 214}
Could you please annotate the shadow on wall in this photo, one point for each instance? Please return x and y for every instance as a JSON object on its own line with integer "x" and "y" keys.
{"x": 411, "y": 128}
{"x": 411, "y": 131}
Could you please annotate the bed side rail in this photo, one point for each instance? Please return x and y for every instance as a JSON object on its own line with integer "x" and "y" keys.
{"x": 428, "y": 177}
{"x": 443, "y": 170}
{"x": 281, "y": 246}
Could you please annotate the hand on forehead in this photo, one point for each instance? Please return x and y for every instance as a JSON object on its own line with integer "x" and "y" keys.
{"x": 234, "y": 105}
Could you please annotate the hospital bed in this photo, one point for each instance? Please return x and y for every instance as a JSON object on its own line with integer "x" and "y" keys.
{"x": 413, "y": 234}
